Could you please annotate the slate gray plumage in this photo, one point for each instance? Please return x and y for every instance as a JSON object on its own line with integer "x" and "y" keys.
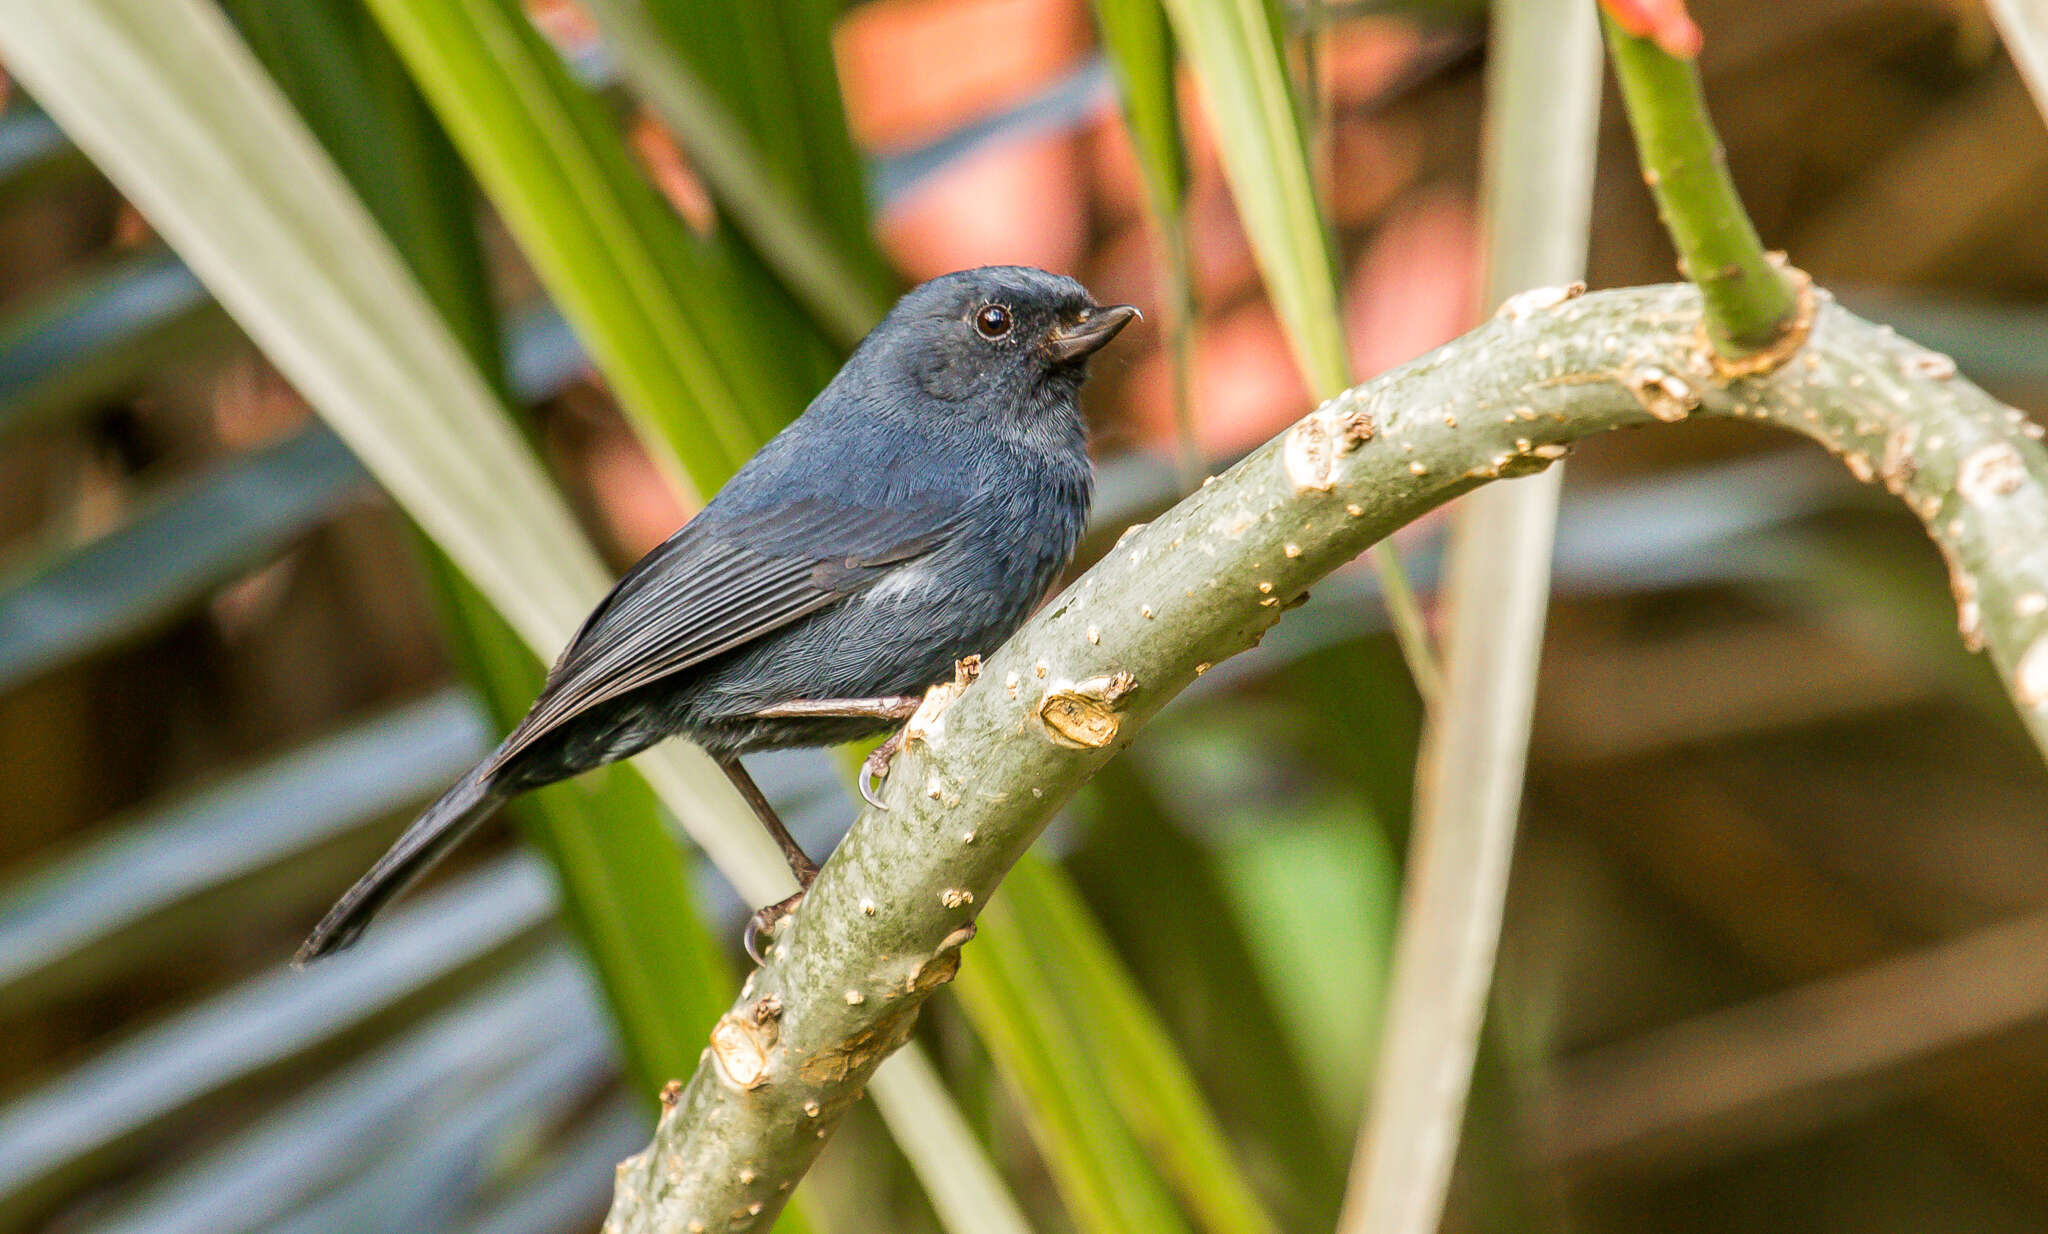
{"x": 914, "y": 514}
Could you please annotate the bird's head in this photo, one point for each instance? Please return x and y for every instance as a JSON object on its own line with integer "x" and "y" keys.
{"x": 1012, "y": 341}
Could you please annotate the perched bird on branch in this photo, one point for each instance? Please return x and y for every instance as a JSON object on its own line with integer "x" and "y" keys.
{"x": 913, "y": 515}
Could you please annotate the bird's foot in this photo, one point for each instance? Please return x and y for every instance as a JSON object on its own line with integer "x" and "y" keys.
{"x": 875, "y": 768}
{"x": 921, "y": 717}
{"x": 765, "y": 924}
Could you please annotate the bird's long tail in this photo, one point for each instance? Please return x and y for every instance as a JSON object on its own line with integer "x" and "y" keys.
{"x": 440, "y": 829}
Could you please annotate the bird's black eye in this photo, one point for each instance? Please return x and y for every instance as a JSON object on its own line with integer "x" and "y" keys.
{"x": 992, "y": 321}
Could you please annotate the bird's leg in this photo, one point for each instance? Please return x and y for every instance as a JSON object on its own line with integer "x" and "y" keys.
{"x": 800, "y": 863}
{"x": 891, "y": 707}
{"x": 763, "y": 923}
{"x": 887, "y": 707}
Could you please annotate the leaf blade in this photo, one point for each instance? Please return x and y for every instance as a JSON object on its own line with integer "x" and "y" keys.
{"x": 1146, "y": 1077}
{"x": 1241, "y": 66}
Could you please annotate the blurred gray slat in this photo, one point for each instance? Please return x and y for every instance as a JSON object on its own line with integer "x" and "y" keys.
{"x": 449, "y": 1171}
{"x": 1996, "y": 343}
{"x": 200, "y": 534}
{"x": 1682, "y": 529}
{"x": 84, "y": 1122}
{"x": 532, "y": 1038}
{"x": 35, "y": 156}
{"x": 195, "y": 536}
{"x": 189, "y": 542}
{"x": 1059, "y": 106}
{"x": 56, "y": 920}
{"x": 29, "y": 139}
{"x": 103, "y": 332}
{"x": 574, "y": 1188}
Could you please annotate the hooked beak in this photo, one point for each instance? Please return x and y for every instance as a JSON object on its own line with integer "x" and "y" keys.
{"x": 1071, "y": 344}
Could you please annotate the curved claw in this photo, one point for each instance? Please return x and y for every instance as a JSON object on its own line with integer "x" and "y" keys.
{"x": 761, "y": 927}
{"x": 756, "y": 930}
{"x": 875, "y": 768}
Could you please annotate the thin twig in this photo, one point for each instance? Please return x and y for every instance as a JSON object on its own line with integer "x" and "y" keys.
{"x": 1752, "y": 306}
{"x": 885, "y": 922}
{"x": 1255, "y": 104}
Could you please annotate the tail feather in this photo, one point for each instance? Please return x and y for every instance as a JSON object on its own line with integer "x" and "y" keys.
{"x": 430, "y": 837}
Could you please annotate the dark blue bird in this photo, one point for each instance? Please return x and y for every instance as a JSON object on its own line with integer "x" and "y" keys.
{"x": 914, "y": 515}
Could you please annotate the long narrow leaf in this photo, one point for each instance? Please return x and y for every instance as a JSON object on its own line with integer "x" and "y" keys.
{"x": 1108, "y": 1184}
{"x": 352, "y": 92}
{"x": 692, "y": 367}
{"x": 1139, "y": 43}
{"x": 959, "y": 1180}
{"x": 624, "y": 887}
{"x": 798, "y": 126}
{"x": 804, "y": 131}
{"x": 2024, "y": 28}
{"x": 771, "y": 64}
{"x": 1238, "y": 58}
{"x": 837, "y": 272}
{"x": 170, "y": 105}
{"x": 1191, "y": 958}
{"x": 1143, "y": 1070}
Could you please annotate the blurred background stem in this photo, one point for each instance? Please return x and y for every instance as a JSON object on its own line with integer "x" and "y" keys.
{"x": 1238, "y": 53}
{"x": 1542, "y": 119}
{"x": 2024, "y": 27}
{"x": 1139, "y": 44}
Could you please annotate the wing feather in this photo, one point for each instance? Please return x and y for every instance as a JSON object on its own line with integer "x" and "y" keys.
{"x": 703, "y": 593}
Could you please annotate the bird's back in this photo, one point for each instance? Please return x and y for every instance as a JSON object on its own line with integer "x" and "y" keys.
{"x": 1011, "y": 534}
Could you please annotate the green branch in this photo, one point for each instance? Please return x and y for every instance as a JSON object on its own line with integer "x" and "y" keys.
{"x": 1753, "y": 306}
{"x": 886, "y": 921}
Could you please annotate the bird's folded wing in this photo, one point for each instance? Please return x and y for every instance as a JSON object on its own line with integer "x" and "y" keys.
{"x": 702, "y": 593}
